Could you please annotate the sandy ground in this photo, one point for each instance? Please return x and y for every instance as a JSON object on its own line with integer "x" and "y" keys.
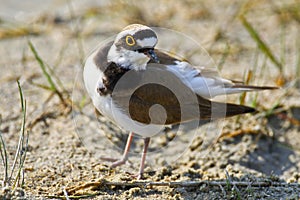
{"x": 256, "y": 156}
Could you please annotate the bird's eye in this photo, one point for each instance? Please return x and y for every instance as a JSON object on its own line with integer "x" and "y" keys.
{"x": 130, "y": 40}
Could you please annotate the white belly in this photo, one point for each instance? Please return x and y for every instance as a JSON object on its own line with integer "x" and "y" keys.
{"x": 108, "y": 108}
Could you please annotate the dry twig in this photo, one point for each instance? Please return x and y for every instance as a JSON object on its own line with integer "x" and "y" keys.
{"x": 183, "y": 184}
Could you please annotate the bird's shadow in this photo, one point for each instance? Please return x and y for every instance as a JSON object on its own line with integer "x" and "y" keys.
{"x": 273, "y": 155}
{"x": 270, "y": 157}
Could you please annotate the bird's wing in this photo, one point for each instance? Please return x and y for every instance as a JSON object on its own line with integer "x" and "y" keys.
{"x": 139, "y": 97}
{"x": 157, "y": 104}
{"x": 137, "y": 91}
{"x": 204, "y": 82}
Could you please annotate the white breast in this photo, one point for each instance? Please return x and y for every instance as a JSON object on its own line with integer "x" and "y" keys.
{"x": 93, "y": 78}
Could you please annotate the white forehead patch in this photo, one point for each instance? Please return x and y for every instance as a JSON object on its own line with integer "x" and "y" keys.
{"x": 147, "y": 42}
{"x": 132, "y": 29}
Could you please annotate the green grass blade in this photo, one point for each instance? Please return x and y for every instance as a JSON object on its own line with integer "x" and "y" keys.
{"x": 43, "y": 66}
{"x": 47, "y": 75}
{"x": 261, "y": 44}
{"x": 24, "y": 157}
{"x": 298, "y": 61}
{"x": 21, "y": 136}
{"x": 21, "y": 96}
{"x": 3, "y": 153}
{"x": 224, "y": 57}
{"x": 45, "y": 87}
{"x": 23, "y": 147}
{"x": 19, "y": 152}
{"x": 56, "y": 78}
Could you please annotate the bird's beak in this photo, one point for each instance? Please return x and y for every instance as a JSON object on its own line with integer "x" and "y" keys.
{"x": 152, "y": 55}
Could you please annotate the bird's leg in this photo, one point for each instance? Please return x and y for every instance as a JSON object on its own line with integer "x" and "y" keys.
{"x": 125, "y": 154}
{"x": 126, "y": 151}
{"x": 142, "y": 165}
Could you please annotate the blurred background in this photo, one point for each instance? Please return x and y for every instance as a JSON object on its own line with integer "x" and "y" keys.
{"x": 45, "y": 43}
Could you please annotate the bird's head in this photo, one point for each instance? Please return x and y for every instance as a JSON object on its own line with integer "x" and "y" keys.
{"x": 134, "y": 47}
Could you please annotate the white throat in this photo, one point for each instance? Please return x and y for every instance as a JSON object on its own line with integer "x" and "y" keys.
{"x": 127, "y": 59}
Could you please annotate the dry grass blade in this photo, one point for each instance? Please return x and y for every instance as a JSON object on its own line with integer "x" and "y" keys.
{"x": 75, "y": 192}
{"x": 261, "y": 44}
{"x": 18, "y": 31}
{"x": 288, "y": 12}
{"x": 77, "y": 33}
{"x": 249, "y": 76}
{"x": 66, "y": 194}
{"x": 298, "y": 62}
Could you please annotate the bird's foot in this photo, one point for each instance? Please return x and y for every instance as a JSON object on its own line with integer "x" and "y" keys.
{"x": 115, "y": 162}
{"x": 140, "y": 176}
{"x": 118, "y": 163}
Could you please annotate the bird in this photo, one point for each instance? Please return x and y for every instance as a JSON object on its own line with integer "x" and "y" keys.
{"x": 127, "y": 78}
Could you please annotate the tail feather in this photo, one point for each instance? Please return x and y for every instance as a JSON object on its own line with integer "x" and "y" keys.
{"x": 234, "y": 109}
{"x": 252, "y": 87}
{"x": 215, "y": 110}
{"x": 238, "y": 88}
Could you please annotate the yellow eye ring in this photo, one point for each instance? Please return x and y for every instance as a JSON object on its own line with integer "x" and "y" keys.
{"x": 129, "y": 40}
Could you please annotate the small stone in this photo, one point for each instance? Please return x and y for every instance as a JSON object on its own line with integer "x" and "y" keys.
{"x": 134, "y": 191}
{"x": 5, "y": 193}
{"x": 19, "y": 192}
{"x": 197, "y": 142}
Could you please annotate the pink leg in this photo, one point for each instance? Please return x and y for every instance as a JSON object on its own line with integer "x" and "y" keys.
{"x": 125, "y": 154}
{"x": 142, "y": 165}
